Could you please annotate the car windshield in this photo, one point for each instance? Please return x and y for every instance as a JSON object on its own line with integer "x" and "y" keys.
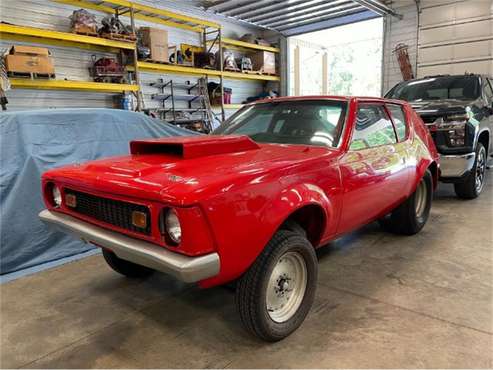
{"x": 310, "y": 122}
{"x": 437, "y": 88}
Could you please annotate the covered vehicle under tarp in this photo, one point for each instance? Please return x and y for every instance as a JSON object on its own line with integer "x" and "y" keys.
{"x": 32, "y": 142}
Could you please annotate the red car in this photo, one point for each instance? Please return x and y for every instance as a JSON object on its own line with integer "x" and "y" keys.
{"x": 253, "y": 201}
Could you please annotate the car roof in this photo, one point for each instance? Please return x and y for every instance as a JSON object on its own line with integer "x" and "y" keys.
{"x": 329, "y": 97}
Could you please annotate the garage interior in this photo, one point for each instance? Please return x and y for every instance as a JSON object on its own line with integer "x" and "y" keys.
{"x": 382, "y": 300}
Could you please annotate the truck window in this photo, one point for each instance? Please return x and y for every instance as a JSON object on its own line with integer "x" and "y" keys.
{"x": 438, "y": 88}
{"x": 488, "y": 91}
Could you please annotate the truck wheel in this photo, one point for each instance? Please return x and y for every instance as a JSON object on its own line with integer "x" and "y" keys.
{"x": 474, "y": 182}
{"x": 410, "y": 217}
{"x": 276, "y": 293}
{"x": 124, "y": 267}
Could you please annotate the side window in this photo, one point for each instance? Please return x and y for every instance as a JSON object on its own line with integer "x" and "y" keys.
{"x": 399, "y": 118}
{"x": 488, "y": 91}
{"x": 373, "y": 128}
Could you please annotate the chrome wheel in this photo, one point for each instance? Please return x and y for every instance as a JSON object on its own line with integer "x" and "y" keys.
{"x": 420, "y": 199}
{"x": 480, "y": 170}
{"x": 286, "y": 287}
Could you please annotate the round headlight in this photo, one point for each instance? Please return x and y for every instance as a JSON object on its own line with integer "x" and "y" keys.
{"x": 57, "y": 196}
{"x": 172, "y": 223}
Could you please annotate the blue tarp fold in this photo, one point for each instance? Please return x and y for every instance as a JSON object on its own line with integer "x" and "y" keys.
{"x": 32, "y": 142}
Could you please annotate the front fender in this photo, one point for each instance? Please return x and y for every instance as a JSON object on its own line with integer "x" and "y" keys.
{"x": 242, "y": 232}
{"x": 296, "y": 197}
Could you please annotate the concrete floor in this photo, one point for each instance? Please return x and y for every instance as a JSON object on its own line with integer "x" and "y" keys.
{"x": 382, "y": 301}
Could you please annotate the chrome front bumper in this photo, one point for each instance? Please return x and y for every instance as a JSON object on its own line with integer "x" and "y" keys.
{"x": 187, "y": 269}
{"x": 456, "y": 165}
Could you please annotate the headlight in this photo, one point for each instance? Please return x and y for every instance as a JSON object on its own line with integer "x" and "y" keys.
{"x": 458, "y": 118}
{"x": 57, "y": 195}
{"x": 455, "y": 122}
{"x": 170, "y": 225}
{"x": 455, "y": 128}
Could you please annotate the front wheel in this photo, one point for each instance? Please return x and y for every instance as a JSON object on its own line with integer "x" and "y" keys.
{"x": 474, "y": 182}
{"x": 411, "y": 216}
{"x": 276, "y": 293}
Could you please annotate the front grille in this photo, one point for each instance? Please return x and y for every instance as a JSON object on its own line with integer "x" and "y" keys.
{"x": 110, "y": 211}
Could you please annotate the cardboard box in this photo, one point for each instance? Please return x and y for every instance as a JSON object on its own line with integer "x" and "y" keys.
{"x": 157, "y": 41}
{"x": 29, "y": 59}
{"x": 32, "y": 50}
{"x": 264, "y": 61}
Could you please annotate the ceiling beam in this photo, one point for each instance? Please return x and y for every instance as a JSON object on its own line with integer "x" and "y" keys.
{"x": 318, "y": 11}
{"x": 331, "y": 23}
{"x": 293, "y": 5}
{"x": 252, "y": 6}
{"x": 316, "y": 19}
{"x": 295, "y": 9}
{"x": 331, "y": 13}
{"x": 378, "y": 7}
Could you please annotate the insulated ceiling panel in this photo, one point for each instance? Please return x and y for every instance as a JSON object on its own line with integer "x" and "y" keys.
{"x": 297, "y": 16}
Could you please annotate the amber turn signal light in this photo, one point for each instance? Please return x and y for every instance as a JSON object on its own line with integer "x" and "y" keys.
{"x": 139, "y": 219}
{"x": 70, "y": 200}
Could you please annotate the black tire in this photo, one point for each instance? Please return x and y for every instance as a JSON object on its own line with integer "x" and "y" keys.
{"x": 407, "y": 219}
{"x": 469, "y": 189}
{"x": 251, "y": 291}
{"x": 127, "y": 268}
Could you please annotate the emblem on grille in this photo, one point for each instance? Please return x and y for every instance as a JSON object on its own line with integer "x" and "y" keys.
{"x": 70, "y": 200}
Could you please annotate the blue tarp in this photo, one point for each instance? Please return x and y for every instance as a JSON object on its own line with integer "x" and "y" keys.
{"x": 34, "y": 141}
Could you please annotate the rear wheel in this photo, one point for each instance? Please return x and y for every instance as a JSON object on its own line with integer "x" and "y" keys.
{"x": 124, "y": 267}
{"x": 474, "y": 182}
{"x": 276, "y": 293}
{"x": 411, "y": 216}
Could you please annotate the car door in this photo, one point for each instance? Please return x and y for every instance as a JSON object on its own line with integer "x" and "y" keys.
{"x": 373, "y": 170}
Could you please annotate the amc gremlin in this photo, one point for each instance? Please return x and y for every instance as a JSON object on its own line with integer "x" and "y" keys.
{"x": 252, "y": 202}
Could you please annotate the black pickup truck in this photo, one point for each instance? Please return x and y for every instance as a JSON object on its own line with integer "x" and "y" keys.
{"x": 458, "y": 111}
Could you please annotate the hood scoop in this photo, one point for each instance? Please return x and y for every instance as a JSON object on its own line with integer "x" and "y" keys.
{"x": 188, "y": 147}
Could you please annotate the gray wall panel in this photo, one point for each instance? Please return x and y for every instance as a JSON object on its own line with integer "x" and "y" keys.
{"x": 454, "y": 37}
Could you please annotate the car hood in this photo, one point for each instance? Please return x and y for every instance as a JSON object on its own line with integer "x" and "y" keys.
{"x": 440, "y": 106}
{"x": 181, "y": 174}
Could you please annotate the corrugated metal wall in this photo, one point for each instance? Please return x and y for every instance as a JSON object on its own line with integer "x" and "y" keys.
{"x": 398, "y": 31}
{"x": 73, "y": 63}
{"x": 455, "y": 37}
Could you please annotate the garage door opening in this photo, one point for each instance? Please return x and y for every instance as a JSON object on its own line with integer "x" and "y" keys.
{"x": 345, "y": 60}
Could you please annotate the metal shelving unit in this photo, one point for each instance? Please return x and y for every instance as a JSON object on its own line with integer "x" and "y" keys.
{"x": 159, "y": 16}
{"x": 247, "y": 45}
{"x": 24, "y": 83}
{"x": 38, "y": 35}
{"x": 210, "y": 35}
{"x": 191, "y": 93}
{"x": 66, "y": 39}
{"x": 143, "y": 12}
{"x": 173, "y": 68}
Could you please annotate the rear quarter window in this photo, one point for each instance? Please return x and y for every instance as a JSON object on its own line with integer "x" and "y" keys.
{"x": 373, "y": 127}
{"x": 398, "y": 116}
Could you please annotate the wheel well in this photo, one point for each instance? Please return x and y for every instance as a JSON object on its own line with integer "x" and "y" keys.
{"x": 311, "y": 219}
{"x": 434, "y": 173}
{"x": 484, "y": 139}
